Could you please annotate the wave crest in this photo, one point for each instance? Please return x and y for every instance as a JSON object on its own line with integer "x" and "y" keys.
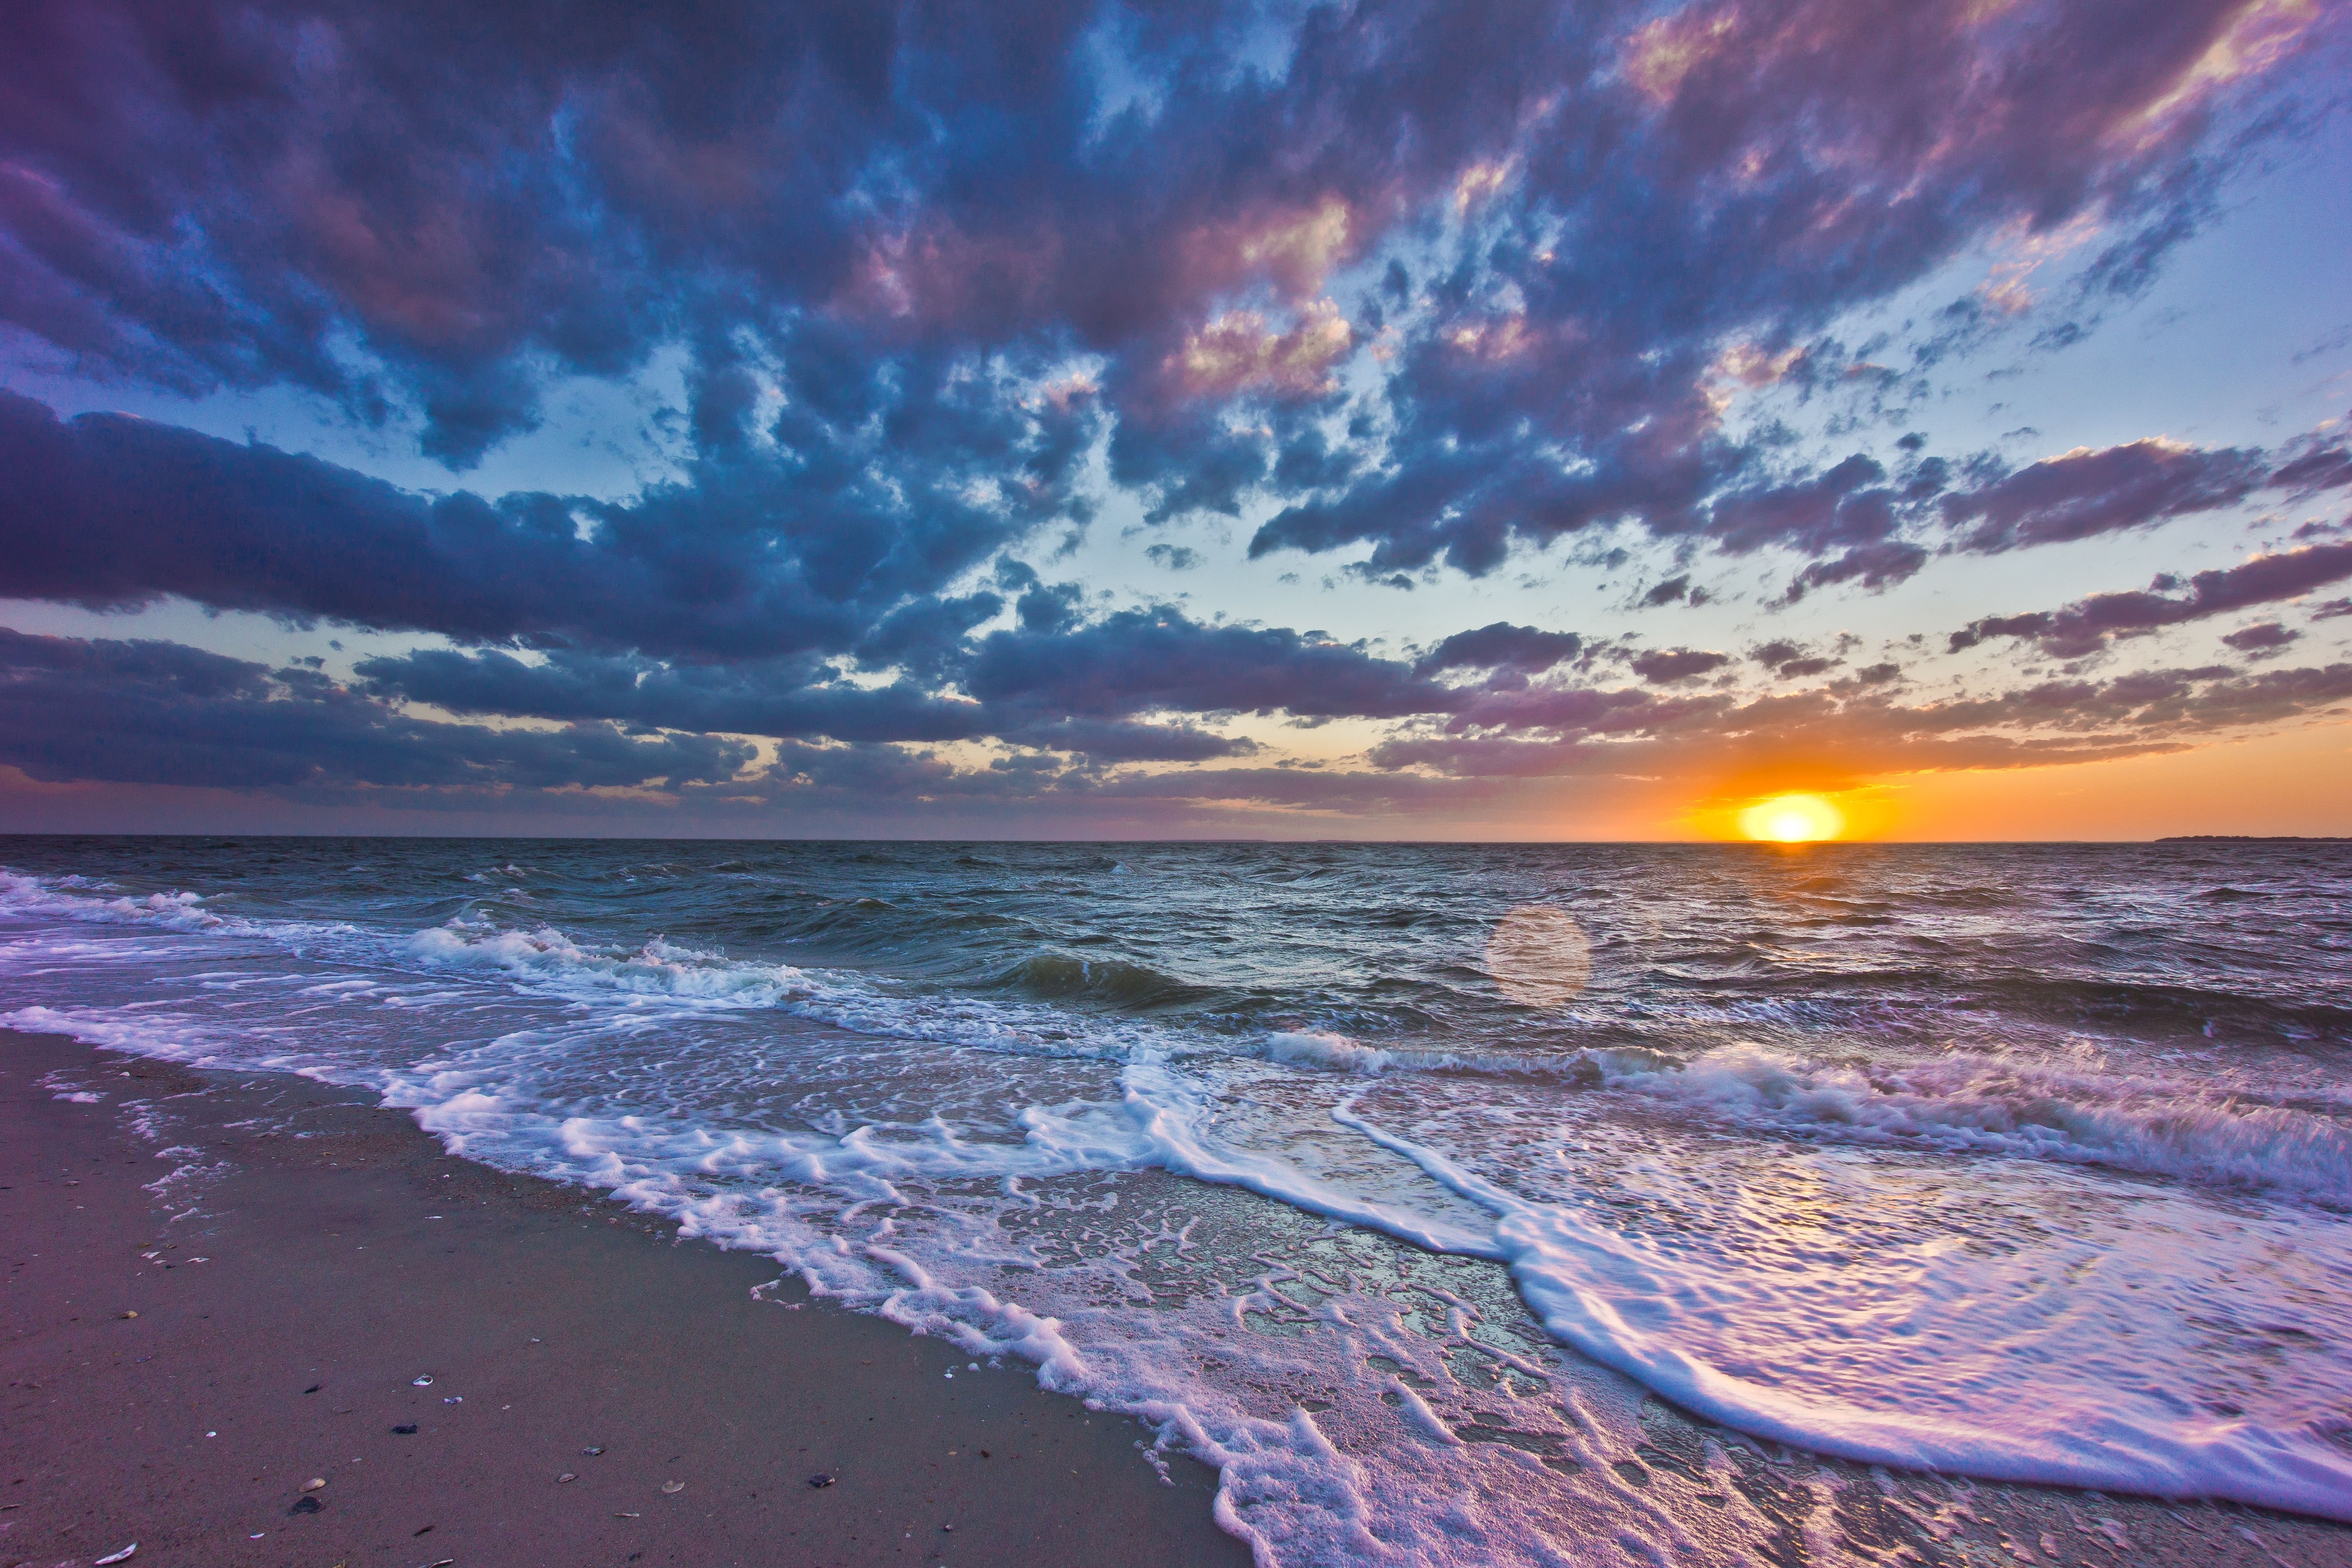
{"x": 1993, "y": 1105}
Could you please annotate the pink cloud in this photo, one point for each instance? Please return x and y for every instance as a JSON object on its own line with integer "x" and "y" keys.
{"x": 1239, "y": 352}
{"x": 1295, "y": 246}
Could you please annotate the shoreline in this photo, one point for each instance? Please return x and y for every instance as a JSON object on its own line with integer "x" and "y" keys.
{"x": 342, "y": 1251}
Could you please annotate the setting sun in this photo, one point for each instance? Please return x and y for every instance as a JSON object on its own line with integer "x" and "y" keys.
{"x": 1792, "y": 819}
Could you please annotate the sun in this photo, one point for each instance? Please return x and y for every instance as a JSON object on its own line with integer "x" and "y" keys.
{"x": 1792, "y": 819}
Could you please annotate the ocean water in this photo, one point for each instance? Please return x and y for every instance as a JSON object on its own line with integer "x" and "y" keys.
{"x": 1392, "y": 1179}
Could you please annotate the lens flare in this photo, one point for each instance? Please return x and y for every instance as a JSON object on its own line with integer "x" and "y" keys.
{"x": 1539, "y": 956}
{"x": 1792, "y": 819}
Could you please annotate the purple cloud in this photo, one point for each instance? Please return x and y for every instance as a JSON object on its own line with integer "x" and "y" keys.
{"x": 1662, "y": 667}
{"x": 2086, "y": 492}
{"x": 1501, "y": 646}
{"x": 2087, "y": 624}
{"x": 2262, "y": 640}
{"x": 1424, "y": 282}
{"x": 427, "y": 207}
{"x": 150, "y": 712}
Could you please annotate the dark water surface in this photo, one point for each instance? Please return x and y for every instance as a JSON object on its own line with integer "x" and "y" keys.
{"x": 2027, "y": 1162}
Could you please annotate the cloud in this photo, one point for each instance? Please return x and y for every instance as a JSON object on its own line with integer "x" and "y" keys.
{"x": 1426, "y": 283}
{"x": 1874, "y": 566}
{"x": 1674, "y": 590}
{"x": 1500, "y": 646}
{"x": 2086, "y": 492}
{"x": 1832, "y": 511}
{"x": 789, "y": 699}
{"x": 1136, "y": 661}
{"x": 1662, "y": 667}
{"x": 152, "y": 713}
{"x": 1790, "y": 660}
{"x": 2263, "y": 639}
{"x": 1239, "y": 352}
{"x": 1773, "y": 165}
{"x": 806, "y": 544}
{"x": 427, "y": 211}
{"x": 1835, "y": 736}
{"x": 2087, "y": 624}
{"x": 2312, "y": 467}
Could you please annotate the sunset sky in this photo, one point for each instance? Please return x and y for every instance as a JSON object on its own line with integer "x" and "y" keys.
{"x": 1464, "y": 420}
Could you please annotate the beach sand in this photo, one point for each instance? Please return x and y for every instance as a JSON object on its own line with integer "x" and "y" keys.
{"x": 321, "y": 1244}
{"x": 297, "y": 1259}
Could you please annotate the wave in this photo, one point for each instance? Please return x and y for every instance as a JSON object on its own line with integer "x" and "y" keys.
{"x": 657, "y": 967}
{"x": 1982, "y": 1104}
{"x": 1117, "y": 981}
{"x": 1673, "y": 1317}
{"x": 67, "y": 896}
{"x": 1689, "y": 1294}
{"x": 1958, "y": 1103}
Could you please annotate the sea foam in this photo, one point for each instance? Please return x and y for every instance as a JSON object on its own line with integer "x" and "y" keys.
{"x": 2019, "y": 1262}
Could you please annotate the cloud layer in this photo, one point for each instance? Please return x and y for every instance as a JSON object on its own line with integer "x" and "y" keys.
{"x": 1425, "y": 289}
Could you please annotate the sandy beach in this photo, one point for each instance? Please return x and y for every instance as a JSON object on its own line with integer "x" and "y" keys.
{"x": 317, "y": 1258}
{"x": 224, "y": 1288}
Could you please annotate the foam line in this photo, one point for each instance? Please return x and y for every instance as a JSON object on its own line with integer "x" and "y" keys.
{"x": 1594, "y": 1290}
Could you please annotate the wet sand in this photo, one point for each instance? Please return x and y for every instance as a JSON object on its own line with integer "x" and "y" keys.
{"x": 297, "y": 1259}
{"x": 317, "y": 1255}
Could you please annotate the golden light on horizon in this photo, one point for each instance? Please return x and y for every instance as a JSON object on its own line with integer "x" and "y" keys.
{"x": 1792, "y": 819}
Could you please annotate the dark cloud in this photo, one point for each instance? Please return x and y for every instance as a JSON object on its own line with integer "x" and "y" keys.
{"x": 2089, "y": 492}
{"x": 2313, "y": 466}
{"x": 1772, "y": 165}
{"x": 1858, "y": 729}
{"x": 1423, "y": 282}
{"x": 809, "y": 544}
{"x": 143, "y": 713}
{"x": 2262, "y": 640}
{"x": 2087, "y": 624}
{"x": 788, "y": 700}
{"x": 152, "y": 713}
{"x": 1501, "y": 646}
{"x": 1660, "y": 667}
{"x": 1137, "y": 661}
{"x": 1674, "y": 590}
{"x": 433, "y": 208}
{"x": 1790, "y": 660}
{"x": 1874, "y": 566}
{"x": 1835, "y": 511}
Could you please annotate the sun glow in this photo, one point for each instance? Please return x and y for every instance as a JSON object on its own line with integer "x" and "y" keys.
{"x": 1792, "y": 819}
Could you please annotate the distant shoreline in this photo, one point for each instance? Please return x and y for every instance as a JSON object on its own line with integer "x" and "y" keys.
{"x": 715, "y": 840}
{"x": 2250, "y": 838}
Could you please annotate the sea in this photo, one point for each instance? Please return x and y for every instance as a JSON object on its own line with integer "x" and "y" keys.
{"x": 1406, "y": 1183}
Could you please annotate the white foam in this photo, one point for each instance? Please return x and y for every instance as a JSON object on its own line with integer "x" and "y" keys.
{"x": 1323, "y": 1048}
{"x": 658, "y": 968}
{"x": 2005, "y": 1105}
{"x": 1780, "y": 1295}
{"x": 1913, "y": 1361}
{"x": 31, "y": 895}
